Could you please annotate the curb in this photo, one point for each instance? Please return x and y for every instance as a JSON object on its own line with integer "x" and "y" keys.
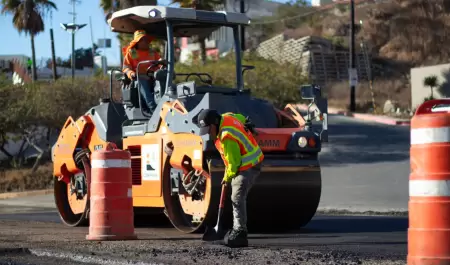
{"x": 364, "y": 116}
{"x": 10, "y": 195}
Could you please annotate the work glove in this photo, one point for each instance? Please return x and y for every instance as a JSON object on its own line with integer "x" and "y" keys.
{"x": 226, "y": 180}
{"x": 168, "y": 148}
{"x": 249, "y": 126}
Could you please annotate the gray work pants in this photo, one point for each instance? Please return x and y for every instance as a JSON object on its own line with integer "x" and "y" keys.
{"x": 240, "y": 186}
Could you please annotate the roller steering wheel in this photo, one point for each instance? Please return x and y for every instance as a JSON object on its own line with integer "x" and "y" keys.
{"x": 155, "y": 63}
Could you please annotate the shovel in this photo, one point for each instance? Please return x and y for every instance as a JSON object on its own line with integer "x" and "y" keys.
{"x": 213, "y": 234}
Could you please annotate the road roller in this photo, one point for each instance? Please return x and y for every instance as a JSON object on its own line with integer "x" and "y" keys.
{"x": 184, "y": 187}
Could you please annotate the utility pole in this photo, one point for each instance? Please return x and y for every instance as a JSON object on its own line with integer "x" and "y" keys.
{"x": 52, "y": 40}
{"x": 73, "y": 38}
{"x": 353, "y": 76}
{"x": 93, "y": 47}
{"x": 242, "y": 27}
{"x": 53, "y": 55}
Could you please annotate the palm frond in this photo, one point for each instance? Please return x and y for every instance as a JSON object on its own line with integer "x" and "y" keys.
{"x": 9, "y": 6}
{"x": 106, "y": 5}
{"x": 28, "y": 14}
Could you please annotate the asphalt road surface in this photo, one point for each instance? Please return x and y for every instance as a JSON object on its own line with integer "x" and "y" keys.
{"x": 340, "y": 239}
{"x": 365, "y": 168}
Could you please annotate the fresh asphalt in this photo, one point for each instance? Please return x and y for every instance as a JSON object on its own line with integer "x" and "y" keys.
{"x": 365, "y": 168}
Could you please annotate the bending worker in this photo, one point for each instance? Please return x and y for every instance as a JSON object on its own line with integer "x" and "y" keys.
{"x": 242, "y": 157}
{"x": 138, "y": 51}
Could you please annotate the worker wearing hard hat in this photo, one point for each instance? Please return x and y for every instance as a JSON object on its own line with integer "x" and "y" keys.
{"x": 242, "y": 157}
{"x": 137, "y": 51}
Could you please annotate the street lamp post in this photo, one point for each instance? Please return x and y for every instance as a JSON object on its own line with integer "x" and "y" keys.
{"x": 242, "y": 9}
{"x": 72, "y": 28}
{"x": 352, "y": 71}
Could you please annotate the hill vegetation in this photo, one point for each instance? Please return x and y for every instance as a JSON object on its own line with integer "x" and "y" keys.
{"x": 399, "y": 34}
{"x": 408, "y": 31}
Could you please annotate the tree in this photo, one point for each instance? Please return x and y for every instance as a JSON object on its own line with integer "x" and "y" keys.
{"x": 28, "y": 18}
{"x": 432, "y": 82}
{"x": 208, "y": 5}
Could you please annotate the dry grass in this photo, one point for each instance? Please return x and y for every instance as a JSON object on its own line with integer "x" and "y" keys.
{"x": 14, "y": 180}
{"x": 397, "y": 90}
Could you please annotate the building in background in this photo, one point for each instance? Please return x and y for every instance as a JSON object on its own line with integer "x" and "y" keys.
{"x": 321, "y": 2}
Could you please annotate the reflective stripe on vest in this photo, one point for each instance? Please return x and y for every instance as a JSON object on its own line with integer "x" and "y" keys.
{"x": 232, "y": 128}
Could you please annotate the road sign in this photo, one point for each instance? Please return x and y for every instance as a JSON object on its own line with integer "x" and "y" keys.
{"x": 104, "y": 43}
{"x": 352, "y": 76}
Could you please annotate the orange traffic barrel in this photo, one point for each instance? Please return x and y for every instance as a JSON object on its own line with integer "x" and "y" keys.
{"x": 111, "y": 215}
{"x": 429, "y": 185}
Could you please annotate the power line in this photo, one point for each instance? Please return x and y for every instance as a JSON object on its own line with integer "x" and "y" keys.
{"x": 320, "y": 10}
{"x": 288, "y": 18}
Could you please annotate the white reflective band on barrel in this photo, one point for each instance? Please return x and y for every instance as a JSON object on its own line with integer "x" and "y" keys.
{"x": 430, "y": 135}
{"x": 111, "y": 163}
{"x": 429, "y": 188}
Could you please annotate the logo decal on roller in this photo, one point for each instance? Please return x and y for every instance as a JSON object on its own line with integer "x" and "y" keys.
{"x": 269, "y": 143}
{"x": 150, "y": 161}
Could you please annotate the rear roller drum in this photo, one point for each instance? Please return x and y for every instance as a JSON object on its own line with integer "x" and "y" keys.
{"x": 72, "y": 199}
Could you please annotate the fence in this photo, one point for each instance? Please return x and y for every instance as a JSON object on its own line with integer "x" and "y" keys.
{"x": 315, "y": 57}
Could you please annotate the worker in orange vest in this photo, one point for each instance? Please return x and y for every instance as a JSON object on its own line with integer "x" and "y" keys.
{"x": 242, "y": 157}
{"x": 139, "y": 50}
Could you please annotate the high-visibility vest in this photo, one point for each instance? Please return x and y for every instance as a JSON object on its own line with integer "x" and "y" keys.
{"x": 232, "y": 128}
{"x": 135, "y": 57}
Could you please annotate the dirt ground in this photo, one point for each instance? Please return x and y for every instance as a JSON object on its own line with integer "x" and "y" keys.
{"x": 338, "y": 95}
{"x": 16, "y": 180}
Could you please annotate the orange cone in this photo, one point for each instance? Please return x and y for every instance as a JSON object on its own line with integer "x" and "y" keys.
{"x": 111, "y": 214}
{"x": 429, "y": 186}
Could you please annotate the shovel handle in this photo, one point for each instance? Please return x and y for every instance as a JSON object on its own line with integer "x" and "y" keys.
{"x": 222, "y": 196}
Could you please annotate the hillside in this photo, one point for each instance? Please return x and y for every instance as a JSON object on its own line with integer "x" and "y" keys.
{"x": 399, "y": 34}
{"x": 414, "y": 32}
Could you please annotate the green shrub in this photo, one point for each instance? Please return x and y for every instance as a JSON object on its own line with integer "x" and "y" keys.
{"x": 277, "y": 83}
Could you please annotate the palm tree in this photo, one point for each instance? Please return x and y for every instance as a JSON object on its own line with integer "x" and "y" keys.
{"x": 28, "y": 17}
{"x": 432, "y": 82}
{"x": 208, "y": 5}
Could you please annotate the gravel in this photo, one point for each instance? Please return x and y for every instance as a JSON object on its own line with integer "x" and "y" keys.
{"x": 47, "y": 243}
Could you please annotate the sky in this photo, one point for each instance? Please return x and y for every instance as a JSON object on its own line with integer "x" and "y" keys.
{"x": 19, "y": 44}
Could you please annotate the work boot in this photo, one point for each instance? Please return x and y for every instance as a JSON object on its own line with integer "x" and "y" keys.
{"x": 236, "y": 239}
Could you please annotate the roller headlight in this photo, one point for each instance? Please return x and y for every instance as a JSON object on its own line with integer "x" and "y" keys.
{"x": 152, "y": 13}
{"x": 302, "y": 142}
